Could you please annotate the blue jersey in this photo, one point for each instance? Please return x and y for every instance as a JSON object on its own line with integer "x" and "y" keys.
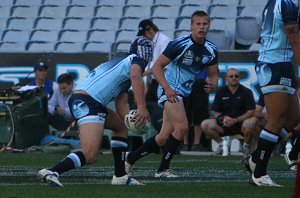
{"x": 188, "y": 60}
{"x": 275, "y": 46}
{"x": 110, "y": 79}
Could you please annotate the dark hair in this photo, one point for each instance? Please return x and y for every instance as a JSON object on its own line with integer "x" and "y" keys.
{"x": 65, "y": 78}
{"x": 145, "y": 25}
{"x": 199, "y": 13}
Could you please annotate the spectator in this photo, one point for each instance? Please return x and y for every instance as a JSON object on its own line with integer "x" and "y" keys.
{"x": 160, "y": 42}
{"x": 41, "y": 81}
{"x": 60, "y": 115}
{"x": 233, "y": 105}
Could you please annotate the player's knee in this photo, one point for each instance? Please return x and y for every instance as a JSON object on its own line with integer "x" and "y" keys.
{"x": 90, "y": 157}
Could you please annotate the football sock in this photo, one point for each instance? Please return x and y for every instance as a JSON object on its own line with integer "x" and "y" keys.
{"x": 73, "y": 160}
{"x": 150, "y": 146}
{"x": 296, "y": 193}
{"x": 295, "y": 145}
{"x": 168, "y": 152}
{"x": 119, "y": 147}
{"x": 266, "y": 144}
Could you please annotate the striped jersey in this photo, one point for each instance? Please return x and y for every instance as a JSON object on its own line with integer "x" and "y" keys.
{"x": 188, "y": 60}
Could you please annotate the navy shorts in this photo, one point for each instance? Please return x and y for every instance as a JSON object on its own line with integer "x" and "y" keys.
{"x": 85, "y": 109}
{"x": 277, "y": 77}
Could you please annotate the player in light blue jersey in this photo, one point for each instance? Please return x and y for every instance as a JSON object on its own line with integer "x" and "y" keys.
{"x": 186, "y": 57}
{"x": 107, "y": 82}
{"x": 280, "y": 41}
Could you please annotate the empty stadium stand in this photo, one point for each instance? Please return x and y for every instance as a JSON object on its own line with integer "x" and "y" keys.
{"x": 97, "y": 25}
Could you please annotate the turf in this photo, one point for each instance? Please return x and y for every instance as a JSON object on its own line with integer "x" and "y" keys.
{"x": 200, "y": 176}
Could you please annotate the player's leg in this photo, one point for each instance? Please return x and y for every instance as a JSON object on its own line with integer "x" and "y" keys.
{"x": 249, "y": 131}
{"x": 153, "y": 144}
{"x": 175, "y": 114}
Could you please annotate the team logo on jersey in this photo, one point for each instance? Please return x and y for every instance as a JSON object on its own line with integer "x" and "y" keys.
{"x": 188, "y": 57}
{"x": 205, "y": 59}
{"x": 79, "y": 109}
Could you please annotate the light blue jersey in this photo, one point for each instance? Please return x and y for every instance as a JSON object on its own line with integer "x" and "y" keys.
{"x": 108, "y": 80}
{"x": 275, "y": 46}
{"x": 188, "y": 60}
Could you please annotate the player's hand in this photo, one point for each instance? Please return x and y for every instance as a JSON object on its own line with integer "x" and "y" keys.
{"x": 60, "y": 111}
{"x": 171, "y": 95}
{"x": 208, "y": 87}
{"x": 229, "y": 121}
{"x": 141, "y": 116}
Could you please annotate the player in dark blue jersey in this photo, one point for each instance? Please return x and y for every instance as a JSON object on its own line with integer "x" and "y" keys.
{"x": 280, "y": 41}
{"x": 108, "y": 82}
{"x": 186, "y": 58}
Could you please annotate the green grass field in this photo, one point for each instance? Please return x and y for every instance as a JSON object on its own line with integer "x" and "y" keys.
{"x": 200, "y": 176}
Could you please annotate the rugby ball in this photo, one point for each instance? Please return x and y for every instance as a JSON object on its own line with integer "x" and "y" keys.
{"x": 131, "y": 125}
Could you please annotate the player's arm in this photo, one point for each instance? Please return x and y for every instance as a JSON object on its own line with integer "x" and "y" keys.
{"x": 158, "y": 72}
{"x": 212, "y": 82}
{"x": 292, "y": 31}
{"x": 139, "y": 93}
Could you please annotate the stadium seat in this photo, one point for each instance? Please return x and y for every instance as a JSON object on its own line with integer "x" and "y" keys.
{"x": 105, "y": 23}
{"x": 169, "y": 33}
{"x": 113, "y": 3}
{"x": 187, "y": 10}
{"x": 179, "y": 33}
{"x": 7, "y": 3}
{"x": 129, "y": 23}
{"x": 3, "y": 23}
{"x": 68, "y": 47}
{"x": 80, "y": 11}
{"x": 20, "y": 23}
{"x": 137, "y": 11}
{"x": 72, "y": 36}
{"x": 27, "y": 2}
{"x": 220, "y": 38}
{"x": 12, "y": 46}
{"x": 183, "y": 23}
{"x": 139, "y": 2}
{"x": 4, "y": 11}
{"x": 120, "y": 47}
{"x": 203, "y": 2}
{"x": 101, "y": 35}
{"x": 24, "y": 11}
{"x": 108, "y": 11}
{"x": 226, "y": 2}
{"x": 228, "y": 25}
{"x": 164, "y": 11}
{"x": 77, "y": 23}
{"x": 40, "y": 46}
{"x": 85, "y": 2}
{"x": 44, "y": 35}
{"x": 247, "y": 30}
{"x": 246, "y": 3}
{"x": 53, "y": 11}
{"x": 15, "y": 36}
{"x": 223, "y": 11}
{"x": 170, "y": 3}
{"x": 94, "y": 46}
{"x": 57, "y": 2}
{"x": 254, "y": 11}
{"x": 48, "y": 23}
{"x": 164, "y": 24}
{"x": 125, "y": 35}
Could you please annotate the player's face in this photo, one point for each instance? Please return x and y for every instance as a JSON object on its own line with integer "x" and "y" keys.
{"x": 65, "y": 89}
{"x": 200, "y": 26}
